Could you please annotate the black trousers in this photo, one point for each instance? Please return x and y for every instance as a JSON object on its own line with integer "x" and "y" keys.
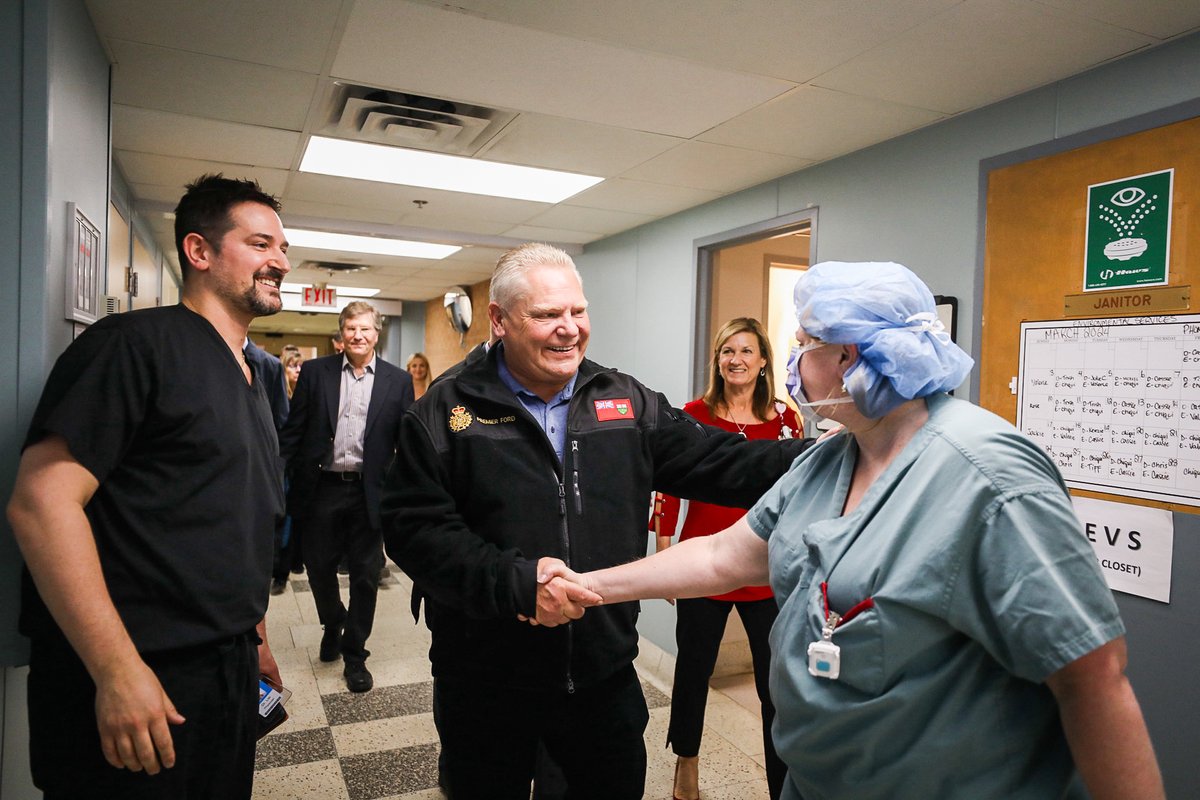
{"x": 698, "y": 631}
{"x": 490, "y": 736}
{"x": 215, "y": 687}
{"x": 281, "y": 560}
{"x": 338, "y": 524}
{"x": 287, "y": 550}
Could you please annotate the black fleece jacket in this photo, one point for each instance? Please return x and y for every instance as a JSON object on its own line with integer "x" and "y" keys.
{"x": 478, "y": 495}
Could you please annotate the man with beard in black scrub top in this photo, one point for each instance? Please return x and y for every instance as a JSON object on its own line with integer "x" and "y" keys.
{"x": 144, "y": 504}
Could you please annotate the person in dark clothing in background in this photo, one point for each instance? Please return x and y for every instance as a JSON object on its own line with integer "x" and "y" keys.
{"x": 275, "y": 382}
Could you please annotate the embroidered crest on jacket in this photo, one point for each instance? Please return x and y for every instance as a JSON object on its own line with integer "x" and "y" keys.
{"x": 460, "y": 419}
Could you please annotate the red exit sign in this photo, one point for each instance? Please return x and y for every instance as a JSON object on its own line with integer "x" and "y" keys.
{"x": 319, "y": 298}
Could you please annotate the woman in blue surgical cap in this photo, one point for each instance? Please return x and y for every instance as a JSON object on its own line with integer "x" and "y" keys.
{"x": 944, "y": 629}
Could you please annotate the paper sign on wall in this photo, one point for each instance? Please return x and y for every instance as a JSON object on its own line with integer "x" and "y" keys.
{"x": 1133, "y": 545}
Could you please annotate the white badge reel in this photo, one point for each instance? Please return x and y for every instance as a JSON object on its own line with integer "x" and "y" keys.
{"x": 825, "y": 657}
{"x": 825, "y": 660}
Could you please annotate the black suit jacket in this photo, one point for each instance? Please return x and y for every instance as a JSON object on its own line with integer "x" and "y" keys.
{"x": 269, "y": 370}
{"x": 307, "y": 439}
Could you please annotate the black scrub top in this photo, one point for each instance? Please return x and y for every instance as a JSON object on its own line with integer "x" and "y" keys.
{"x": 155, "y": 405}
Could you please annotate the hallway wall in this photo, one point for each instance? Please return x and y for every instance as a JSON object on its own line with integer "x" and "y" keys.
{"x": 53, "y": 149}
{"x": 917, "y": 200}
{"x": 60, "y": 102}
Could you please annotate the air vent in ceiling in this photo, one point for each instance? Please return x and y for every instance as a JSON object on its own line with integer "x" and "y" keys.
{"x": 334, "y": 267}
{"x": 405, "y": 119}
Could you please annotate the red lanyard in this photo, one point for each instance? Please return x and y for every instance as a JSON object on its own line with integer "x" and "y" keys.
{"x": 849, "y": 615}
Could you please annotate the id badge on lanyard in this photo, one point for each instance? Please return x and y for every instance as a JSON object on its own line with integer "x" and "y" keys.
{"x": 825, "y": 657}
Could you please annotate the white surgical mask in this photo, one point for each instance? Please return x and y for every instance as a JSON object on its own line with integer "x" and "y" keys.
{"x": 807, "y": 407}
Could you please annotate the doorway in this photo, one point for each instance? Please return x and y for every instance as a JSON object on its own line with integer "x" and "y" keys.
{"x": 750, "y": 272}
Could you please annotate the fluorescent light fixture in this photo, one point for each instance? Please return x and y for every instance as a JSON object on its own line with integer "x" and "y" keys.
{"x": 342, "y": 291}
{"x": 354, "y": 291}
{"x": 375, "y": 245}
{"x": 377, "y": 162}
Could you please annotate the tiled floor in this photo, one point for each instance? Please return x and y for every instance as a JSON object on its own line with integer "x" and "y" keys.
{"x": 382, "y": 744}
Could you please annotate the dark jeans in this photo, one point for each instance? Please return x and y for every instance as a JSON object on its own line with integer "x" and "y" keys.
{"x": 490, "y": 736}
{"x": 215, "y": 687}
{"x": 698, "y": 632}
{"x": 337, "y": 525}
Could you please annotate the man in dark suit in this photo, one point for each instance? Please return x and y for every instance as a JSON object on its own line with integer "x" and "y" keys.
{"x": 339, "y": 441}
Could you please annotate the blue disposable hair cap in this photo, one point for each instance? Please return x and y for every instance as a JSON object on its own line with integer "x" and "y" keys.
{"x": 888, "y": 312}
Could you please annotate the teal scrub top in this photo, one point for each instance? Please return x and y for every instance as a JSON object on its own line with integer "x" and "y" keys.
{"x": 983, "y": 585}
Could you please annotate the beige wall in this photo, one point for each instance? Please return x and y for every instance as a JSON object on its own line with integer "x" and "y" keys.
{"x": 311, "y": 345}
{"x": 442, "y": 346}
{"x": 740, "y": 273}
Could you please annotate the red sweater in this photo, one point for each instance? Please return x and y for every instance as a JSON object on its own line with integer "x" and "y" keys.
{"x": 704, "y": 519}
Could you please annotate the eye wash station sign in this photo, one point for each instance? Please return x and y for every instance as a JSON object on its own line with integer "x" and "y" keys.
{"x": 1128, "y": 232}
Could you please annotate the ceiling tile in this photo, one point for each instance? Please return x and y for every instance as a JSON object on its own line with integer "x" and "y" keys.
{"x": 172, "y": 80}
{"x": 454, "y": 222}
{"x": 789, "y": 124}
{"x": 293, "y": 207}
{"x": 640, "y": 197}
{"x": 793, "y": 40}
{"x": 532, "y": 233}
{"x": 415, "y": 295}
{"x": 376, "y": 262}
{"x": 1158, "y": 18}
{"x": 300, "y": 31}
{"x": 715, "y": 167}
{"x": 425, "y": 282}
{"x": 144, "y": 168}
{"x": 162, "y": 231}
{"x": 963, "y": 58}
{"x": 151, "y": 191}
{"x": 537, "y": 140}
{"x": 148, "y": 131}
{"x": 590, "y": 220}
{"x": 326, "y": 189}
{"x": 483, "y": 258}
{"x": 462, "y": 57}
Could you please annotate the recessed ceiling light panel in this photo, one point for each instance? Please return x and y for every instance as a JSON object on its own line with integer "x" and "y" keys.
{"x": 375, "y": 162}
{"x": 376, "y": 245}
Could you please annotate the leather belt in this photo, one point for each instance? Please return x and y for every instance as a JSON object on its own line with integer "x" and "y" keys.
{"x": 340, "y": 477}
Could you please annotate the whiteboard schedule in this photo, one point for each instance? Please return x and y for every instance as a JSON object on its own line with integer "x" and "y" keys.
{"x": 1116, "y": 403}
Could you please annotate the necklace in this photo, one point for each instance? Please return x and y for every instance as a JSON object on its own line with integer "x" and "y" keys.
{"x": 741, "y": 428}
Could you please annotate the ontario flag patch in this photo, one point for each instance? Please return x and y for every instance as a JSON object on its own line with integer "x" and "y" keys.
{"x": 617, "y": 408}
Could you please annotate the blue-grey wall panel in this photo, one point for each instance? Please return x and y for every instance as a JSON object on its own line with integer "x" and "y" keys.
{"x": 61, "y": 106}
{"x": 1132, "y": 86}
{"x": 1164, "y": 649}
{"x": 12, "y": 647}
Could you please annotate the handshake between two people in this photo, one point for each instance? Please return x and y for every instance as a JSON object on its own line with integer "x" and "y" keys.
{"x": 562, "y": 594}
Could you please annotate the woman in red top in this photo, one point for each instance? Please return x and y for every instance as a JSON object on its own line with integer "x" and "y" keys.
{"x": 740, "y": 398}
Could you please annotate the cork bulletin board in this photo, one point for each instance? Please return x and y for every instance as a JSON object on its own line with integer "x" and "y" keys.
{"x": 1035, "y": 248}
